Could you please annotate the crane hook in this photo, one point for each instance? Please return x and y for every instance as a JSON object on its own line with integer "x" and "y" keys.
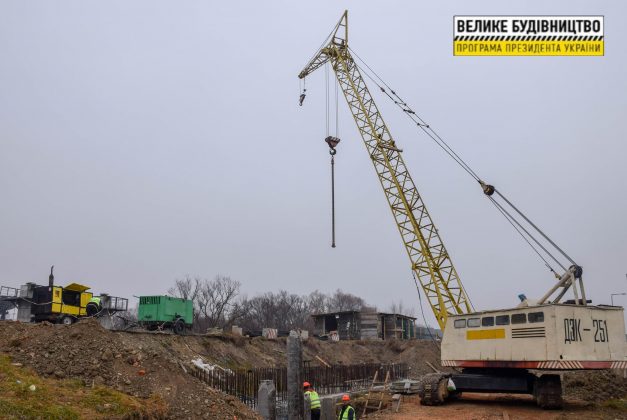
{"x": 332, "y": 142}
{"x": 302, "y": 97}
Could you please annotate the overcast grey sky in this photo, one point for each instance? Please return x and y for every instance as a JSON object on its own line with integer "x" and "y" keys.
{"x": 143, "y": 140}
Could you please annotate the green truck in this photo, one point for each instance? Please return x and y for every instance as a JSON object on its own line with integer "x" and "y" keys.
{"x": 165, "y": 312}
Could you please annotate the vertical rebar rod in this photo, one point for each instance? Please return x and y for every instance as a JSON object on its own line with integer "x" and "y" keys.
{"x": 332, "y": 201}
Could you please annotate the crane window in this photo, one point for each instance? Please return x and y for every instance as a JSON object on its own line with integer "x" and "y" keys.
{"x": 474, "y": 322}
{"x": 502, "y": 320}
{"x": 536, "y": 316}
{"x": 519, "y": 318}
{"x": 487, "y": 321}
{"x": 460, "y": 323}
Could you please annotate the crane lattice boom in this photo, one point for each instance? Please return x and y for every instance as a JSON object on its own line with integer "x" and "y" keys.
{"x": 430, "y": 261}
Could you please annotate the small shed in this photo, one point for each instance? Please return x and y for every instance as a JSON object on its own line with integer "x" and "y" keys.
{"x": 364, "y": 324}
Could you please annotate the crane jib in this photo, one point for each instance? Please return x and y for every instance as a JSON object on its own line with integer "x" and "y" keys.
{"x": 430, "y": 261}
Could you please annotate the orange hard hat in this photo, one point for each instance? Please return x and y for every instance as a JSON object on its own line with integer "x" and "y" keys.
{"x": 306, "y": 384}
{"x": 345, "y": 397}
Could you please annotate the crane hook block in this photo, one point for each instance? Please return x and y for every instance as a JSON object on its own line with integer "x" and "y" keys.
{"x": 332, "y": 142}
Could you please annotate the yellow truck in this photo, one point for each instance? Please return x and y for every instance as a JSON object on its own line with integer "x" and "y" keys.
{"x": 64, "y": 305}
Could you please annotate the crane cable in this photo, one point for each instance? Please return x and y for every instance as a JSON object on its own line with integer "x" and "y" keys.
{"x": 415, "y": 117}
{"x": 424, "y": 318}
{"x": 302, "y": 88}
{"x": 489, "y": 190}
{"x": 326, "y": 98}
{"x": 337, "y": 109}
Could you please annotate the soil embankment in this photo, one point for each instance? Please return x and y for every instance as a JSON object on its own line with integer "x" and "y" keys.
{"x": 125, "y": 362}
{"x": 153, "y": 365}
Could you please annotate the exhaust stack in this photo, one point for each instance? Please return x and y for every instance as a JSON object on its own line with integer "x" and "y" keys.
{"x": 51, "y": 278}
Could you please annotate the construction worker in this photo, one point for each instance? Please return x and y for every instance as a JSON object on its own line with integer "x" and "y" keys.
{"x": 347, "y": 412}
{"x": 314, "y": 400}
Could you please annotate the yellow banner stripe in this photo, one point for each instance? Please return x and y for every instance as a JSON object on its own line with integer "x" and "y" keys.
{"x": 485, "y": 334}
{"x": 529, "y": 48}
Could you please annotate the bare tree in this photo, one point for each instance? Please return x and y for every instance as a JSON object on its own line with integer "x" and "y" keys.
{"x": 217, "y": 303}
{"x": 216, "y": 299}
{"x": 341, "y": 301}
{"x": 400, "y": 308}
{"x": 213, "y": 299}
{"x": 283, "y": 311}
{"x": 292, "y": 310}
{"x": 188, "y": 288}
{"x": 318, "y": 302}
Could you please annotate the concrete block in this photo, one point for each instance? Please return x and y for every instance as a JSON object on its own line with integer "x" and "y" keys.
{"x": 328, "y": 408}
{"x": 307, "y": 412}
{"x": 269, "y": 333}
{"x": 266, "y": 398}
{"x": 235, "y": 330}
{"x": 295, "y": 397}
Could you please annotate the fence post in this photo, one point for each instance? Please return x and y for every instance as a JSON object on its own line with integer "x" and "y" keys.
{"x": 295, "y": 397}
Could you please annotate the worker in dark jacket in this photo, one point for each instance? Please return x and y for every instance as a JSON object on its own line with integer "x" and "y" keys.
{"x": 347, "y": 412}
{"x": 314, "y": 401}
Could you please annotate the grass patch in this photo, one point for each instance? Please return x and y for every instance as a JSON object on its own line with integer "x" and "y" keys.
{"x": 66, "y": 399}
{"x": 616, "y": 404}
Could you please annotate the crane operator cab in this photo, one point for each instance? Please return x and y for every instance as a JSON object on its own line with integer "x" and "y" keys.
{"x": 496, "y": 348}
{"x": 550, "y": 336}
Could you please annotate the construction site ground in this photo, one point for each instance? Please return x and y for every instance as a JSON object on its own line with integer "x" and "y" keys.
{"x": 144, "y": 374}
{"x": 503, "y": 406}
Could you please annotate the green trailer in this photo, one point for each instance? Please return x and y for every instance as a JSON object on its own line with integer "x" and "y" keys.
{"x": 165, "y": 312}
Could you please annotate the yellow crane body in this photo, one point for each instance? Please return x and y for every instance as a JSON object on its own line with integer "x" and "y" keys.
{"x": 429, "y": 258}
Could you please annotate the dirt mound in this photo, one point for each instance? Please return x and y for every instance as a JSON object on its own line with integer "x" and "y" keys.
{"x": 246, "y": 353}
{"x": 595, "y": 386}
{"x": 96, "y": 356}
{"x": 415, "y": 353}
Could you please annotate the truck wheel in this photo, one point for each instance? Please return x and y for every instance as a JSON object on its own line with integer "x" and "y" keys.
{"x": 67, "y": 320}
{"x": 179, "y": 326}
{"x": 434, "y": 389}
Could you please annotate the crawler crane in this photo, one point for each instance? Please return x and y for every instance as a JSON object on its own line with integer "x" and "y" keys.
{"x": 493, "y": 350}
